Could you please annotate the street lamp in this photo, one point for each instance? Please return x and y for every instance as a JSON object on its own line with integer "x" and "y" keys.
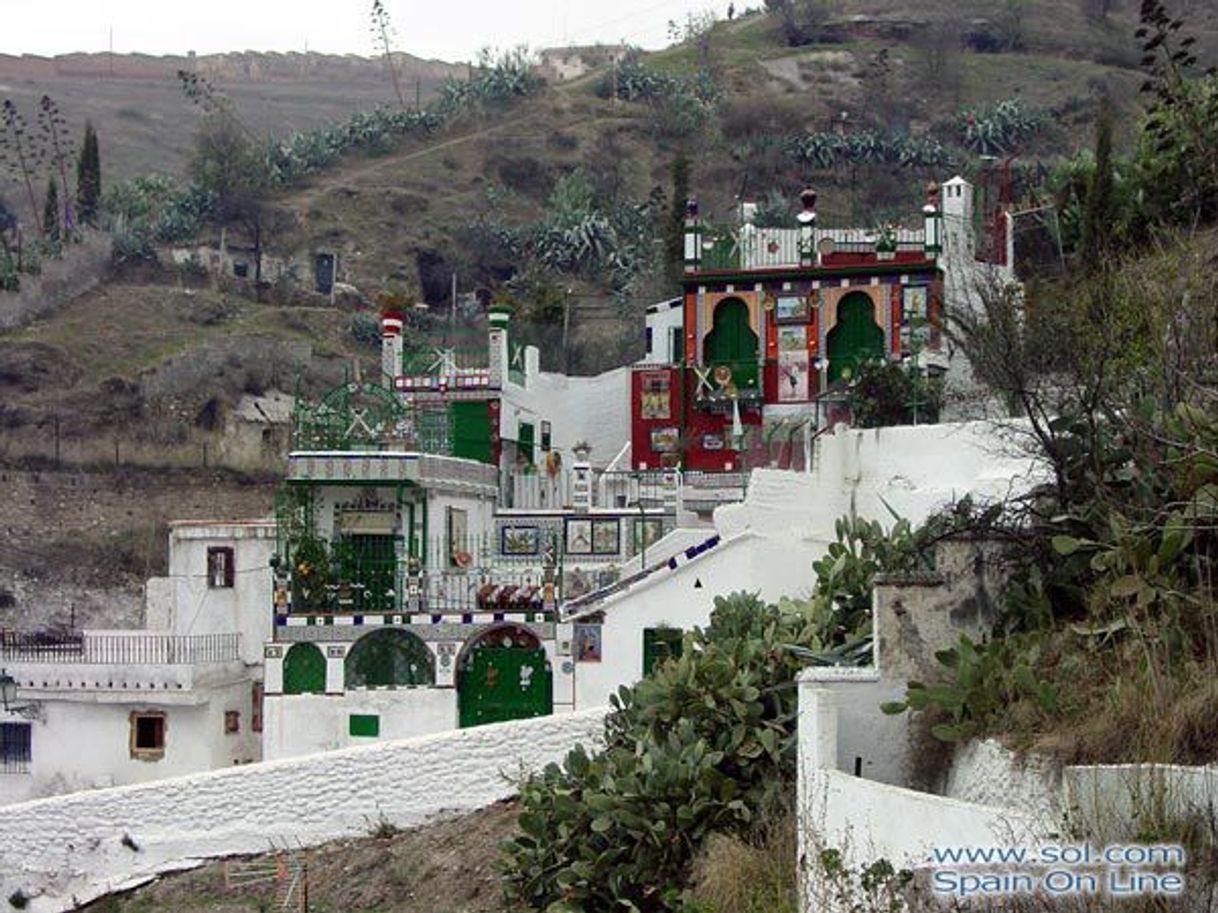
{"x": 8, "y": 691}
{"x": 8, "y": 696}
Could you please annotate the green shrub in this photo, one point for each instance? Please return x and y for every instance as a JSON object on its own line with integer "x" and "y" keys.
{"x": 691, "y": 750}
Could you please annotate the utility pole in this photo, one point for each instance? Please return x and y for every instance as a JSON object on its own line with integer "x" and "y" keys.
{"x": 566, "y": 322}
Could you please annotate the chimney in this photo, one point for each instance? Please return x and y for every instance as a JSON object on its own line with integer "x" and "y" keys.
{"x": 693, "y": 237}
{"x": 933, "y": 220}
{"x": 391, "y": 347}
{"x": 807, "y": 228}
{"x": 498, "y": 318}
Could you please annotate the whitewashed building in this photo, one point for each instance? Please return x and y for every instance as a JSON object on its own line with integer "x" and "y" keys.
{"x": 183, "y": 694}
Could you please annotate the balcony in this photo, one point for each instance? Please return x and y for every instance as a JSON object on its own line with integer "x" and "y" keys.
{"x": 71, "y": 667}
{"x": 120, "y": 648}
{"x": 750, "y": 248}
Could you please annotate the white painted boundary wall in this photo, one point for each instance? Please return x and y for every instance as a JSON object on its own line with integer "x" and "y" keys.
{"x": 68, "y": 849}
{"x": 866, "y": 820}
{"x": 915, "y": 470}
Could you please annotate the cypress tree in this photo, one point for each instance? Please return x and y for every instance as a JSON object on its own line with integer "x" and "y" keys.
{"x": 1099, "y": 209}
{"x": 50, "y": 212}
{"x": 674, "y": 241}
{"x": 88, "y": 177}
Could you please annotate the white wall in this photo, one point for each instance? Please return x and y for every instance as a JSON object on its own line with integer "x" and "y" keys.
{"x": 479, "y": 515}
{"x": 661, "y": 319}
{"x": 68, "y": 850}
{"x": 298, "y": 724}
{"x": 986, "y": 772}
{"x": 684, "y": 598}
{"x": 82, "y": 741}
{"x": 592, "y": 409}
{"x": 197, "y": 608}
{"x": 913, "y": 469}
{"x": 866, "y": 820}
{"x": 1123, "y": 800}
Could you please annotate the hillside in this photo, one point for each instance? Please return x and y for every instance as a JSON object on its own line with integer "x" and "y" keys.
{"x": 145, "y": 124}
{"x": 447, "y": 865}
{"x": 888, "y": 67}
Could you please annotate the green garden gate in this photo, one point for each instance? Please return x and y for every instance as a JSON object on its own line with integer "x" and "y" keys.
{"x": 497, "y": 683}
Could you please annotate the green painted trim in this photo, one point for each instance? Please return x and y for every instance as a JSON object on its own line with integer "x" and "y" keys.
{"x": 364, "y": 725}
{"x": 425, "y": 536}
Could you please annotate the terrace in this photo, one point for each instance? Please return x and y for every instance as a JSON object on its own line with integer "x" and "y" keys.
{"x": 748, "y": 247}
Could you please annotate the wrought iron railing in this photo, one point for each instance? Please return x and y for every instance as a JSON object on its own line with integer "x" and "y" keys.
{"x": 749, "y": 247}
{"x": 635, "y": 489}
{"x": 121, "y": 648}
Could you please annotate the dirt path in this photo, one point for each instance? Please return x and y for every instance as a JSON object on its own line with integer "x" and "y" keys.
{"x": 444, "y": 867}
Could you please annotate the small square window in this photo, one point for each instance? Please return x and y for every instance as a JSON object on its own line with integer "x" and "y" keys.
{"x": 220, "y": 567}
{"x": 147, "y": 735}
{"x": 232, "y": 721}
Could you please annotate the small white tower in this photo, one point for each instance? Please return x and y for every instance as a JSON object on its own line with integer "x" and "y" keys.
{"x": 957, "y": 209}
{"x": 391, "y": 347}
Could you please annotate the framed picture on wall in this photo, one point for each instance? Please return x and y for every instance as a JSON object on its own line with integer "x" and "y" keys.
{"x": 915, "y": 319}
{"x": 791, "y": 308}
{"x": 519, "y": 540}
{"x": 579, "y": 537}
{"x": 666, "y": 439}
{"x": 914, "y": 300}
{"x": 606, "y": 537}
{"x": 654, "y": 401}
{"x": 586, "y": 643}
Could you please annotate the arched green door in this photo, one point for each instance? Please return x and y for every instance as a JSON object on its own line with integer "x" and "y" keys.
{"x": 855, "y": 338}
{"x": 504, "y": 675}
{"x": 304, "y": 670}
{"x": 732, "y": 342}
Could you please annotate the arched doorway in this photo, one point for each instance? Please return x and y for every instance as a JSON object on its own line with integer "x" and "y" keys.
{"x": 503, "y": 674}
{"x": 304, "y": 670}
{"x": 389, "y": 658}
{"x": 855, "y": 338}
{"x": 733, "y": 343}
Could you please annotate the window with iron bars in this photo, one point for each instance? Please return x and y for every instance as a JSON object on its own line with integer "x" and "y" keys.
{"x": 15, "y": 748}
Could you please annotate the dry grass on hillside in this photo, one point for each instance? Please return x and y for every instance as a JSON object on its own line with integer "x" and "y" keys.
{"x": 444, "y": 867}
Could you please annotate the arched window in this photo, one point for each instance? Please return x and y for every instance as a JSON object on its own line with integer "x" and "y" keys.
{"x": 733, "y": 343}
{"x": 856, "y": 338}
{"x": 304, "y": 670}
{"x": 389, "y": 658}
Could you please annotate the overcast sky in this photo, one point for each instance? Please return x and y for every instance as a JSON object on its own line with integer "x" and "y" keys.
{"x": 444, "y": 29}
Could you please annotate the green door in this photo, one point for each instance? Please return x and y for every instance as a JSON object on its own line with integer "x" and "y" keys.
{"x": 660, "y": 644}
{"x": 504, "y": 683}
{"x": 733, "y": 343}
{"x": 856, "y": 338}
{"x": 367, "y": 568}
{"x": 304, "y": 670}
{"x": 472, "y": 430}
{"x": 526, "y": 441}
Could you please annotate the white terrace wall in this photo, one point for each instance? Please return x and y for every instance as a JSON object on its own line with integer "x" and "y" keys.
{"x": 70, "y": 849}
{"x": 913, "y": 469}
{"x": 866, "y": 820}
